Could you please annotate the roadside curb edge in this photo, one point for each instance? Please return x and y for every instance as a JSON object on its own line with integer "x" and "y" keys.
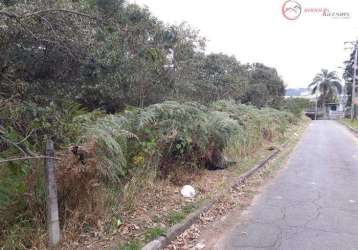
{"x": 177, "y": 229}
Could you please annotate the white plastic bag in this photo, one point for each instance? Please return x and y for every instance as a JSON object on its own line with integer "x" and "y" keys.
{"x": 188, "y": 191}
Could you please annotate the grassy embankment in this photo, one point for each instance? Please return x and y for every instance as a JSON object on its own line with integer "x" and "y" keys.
{"x": 127, "y": 190}
{"x": 353, "y": 124}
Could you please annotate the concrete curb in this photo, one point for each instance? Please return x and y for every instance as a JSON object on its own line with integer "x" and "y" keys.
{"x": 176, "y": 230}
{"x": 258, "y": 166}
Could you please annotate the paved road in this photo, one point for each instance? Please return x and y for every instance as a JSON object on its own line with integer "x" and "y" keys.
{"x": 313, "y": 202}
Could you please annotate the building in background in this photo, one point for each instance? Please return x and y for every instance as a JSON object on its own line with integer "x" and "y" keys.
{"x": 334, "y": 110}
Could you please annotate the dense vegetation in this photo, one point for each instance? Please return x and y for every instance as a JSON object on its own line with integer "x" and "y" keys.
{"x": 296, "y": 105}
{"x": 157, "y": 139}
{"x": 135, "y": 94}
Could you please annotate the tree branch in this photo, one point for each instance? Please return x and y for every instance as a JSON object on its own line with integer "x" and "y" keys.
{"x": 8, "y": 14}
{"x": 27, "y": 137}
{"x": 19, "y": 146}
{"x": 37, "y": 13}
{"x": 60, "y": 10}
{"x": 29, "y": 158}
{"x": 14, "y": 144}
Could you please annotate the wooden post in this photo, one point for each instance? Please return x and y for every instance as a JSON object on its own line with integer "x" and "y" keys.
{"x": 53, "y": 225}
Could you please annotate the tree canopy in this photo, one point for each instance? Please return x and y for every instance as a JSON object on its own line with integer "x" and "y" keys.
{"x": 111, "y": 54}
{"x": 348, "y": 76}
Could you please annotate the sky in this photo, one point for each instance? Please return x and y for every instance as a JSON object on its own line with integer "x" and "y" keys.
{"x": 257, "y": 31}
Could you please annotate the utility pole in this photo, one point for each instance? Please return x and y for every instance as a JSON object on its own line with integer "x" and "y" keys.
{"x": 354, "y": 80}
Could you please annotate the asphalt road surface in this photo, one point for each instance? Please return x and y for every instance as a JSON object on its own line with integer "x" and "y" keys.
{"x": 312, "y": 203}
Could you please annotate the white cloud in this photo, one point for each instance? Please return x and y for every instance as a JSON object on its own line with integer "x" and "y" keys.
{"x": 256, "y": 31}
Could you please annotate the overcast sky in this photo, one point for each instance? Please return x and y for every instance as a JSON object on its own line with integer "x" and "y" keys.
{"x": 256, "y": 31}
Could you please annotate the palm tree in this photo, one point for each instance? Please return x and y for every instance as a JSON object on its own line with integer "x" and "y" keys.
{"x": 327, "y": 83}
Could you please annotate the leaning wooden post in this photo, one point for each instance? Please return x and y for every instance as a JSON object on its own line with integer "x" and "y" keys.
{"x": 53, "y": 225}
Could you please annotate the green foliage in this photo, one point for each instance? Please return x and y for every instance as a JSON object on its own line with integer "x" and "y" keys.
{"x": 213, "y": 77}
{"x": 184, "y": 131}
{"x": 160, "y": 136}
{"x": 265, "y": 87}
{"x": 187, "y": 209}
{"x": 153, "y": 233}
{"x": 133, "y": 245}
{"x": 175, "y": 125}
{"x": 12, "y": 183}
{"x": 110, "y": 135}
{"x": 109, "y": 76}
{"x": 175, "y": 217}
{"x": 257, "y": 125}
{"x": 129, "y": 58}
{"x": 31, "y": 124}
{"x": 178, "y": 216}
{"x": 297, "y": 105}
{"x": 179, "y": 132}
{"x": 221, "y": 128}
{"x": 21, "y": 217}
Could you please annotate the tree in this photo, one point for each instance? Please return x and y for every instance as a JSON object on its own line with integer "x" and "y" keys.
{"x": 348, "y": 77}
{"x": 327, "y": 84}
{"x": 265, "y": 86}
{"x": 110, "y": 54}
{"x": 219, "y": 77}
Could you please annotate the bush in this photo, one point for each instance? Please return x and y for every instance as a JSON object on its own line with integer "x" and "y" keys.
{"x": 184, "y": 132}
{"x": 160, "y": 138}
{"x": 297, "y": 105}
{"x": 257, "y": 125}
{"x": 169, "y": 134}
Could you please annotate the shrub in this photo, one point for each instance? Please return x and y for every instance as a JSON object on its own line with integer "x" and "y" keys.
{"x": 122, "y": 148}
{"x": 257, "y": 125}
{"x": 297, "y": 105}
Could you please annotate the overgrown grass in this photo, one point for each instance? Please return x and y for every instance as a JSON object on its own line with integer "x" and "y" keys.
{"x": 153, "y": 233}
{"x": 128, "y": 151}
{"x": 133, "y": 245}
{"x": 187, "y": 209}
{"x": 175, "y": 217}
{"x": 350, "y": 122}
